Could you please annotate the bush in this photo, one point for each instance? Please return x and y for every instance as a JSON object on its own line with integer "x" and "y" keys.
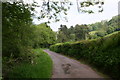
{"x": 103, "y": 53}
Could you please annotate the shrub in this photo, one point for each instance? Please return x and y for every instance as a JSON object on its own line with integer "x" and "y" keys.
{"x": 103, "y": 53}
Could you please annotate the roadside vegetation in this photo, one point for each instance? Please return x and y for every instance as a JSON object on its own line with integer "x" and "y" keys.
{"x": 102, "y": 53}
{"x": 19, "y": 39}
{"x": 22, "y": 40}
{"x": 40, "y": 66}
{"x": 96, "y": 44}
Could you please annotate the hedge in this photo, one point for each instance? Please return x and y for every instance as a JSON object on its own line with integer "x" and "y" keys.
{"x": 103, "y": 53}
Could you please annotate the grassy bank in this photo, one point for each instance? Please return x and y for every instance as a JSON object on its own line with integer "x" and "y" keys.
{"x": 39, "y": 67}
{"x": 102, "y": 53}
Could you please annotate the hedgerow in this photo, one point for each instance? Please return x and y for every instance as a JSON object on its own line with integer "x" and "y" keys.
{"x": 103, "y": 53}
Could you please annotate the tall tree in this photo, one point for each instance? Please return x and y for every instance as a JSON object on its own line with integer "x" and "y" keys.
{"x": 16, "y": 28}
{"x": 63, "y": 33}
{"x": 81, "y": 32}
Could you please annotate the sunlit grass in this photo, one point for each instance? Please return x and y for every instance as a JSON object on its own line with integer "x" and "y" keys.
{"x": 112, "y": 33}
{"x": 92, "y": 32}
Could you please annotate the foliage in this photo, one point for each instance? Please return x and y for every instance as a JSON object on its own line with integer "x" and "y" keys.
{"x": 52, "y": 9}
{"x": 104, "y": 27}
{"x": 83, "y": 5}
{"x": 57, "y": 10}
{"x": 63, "y": 34}
{"x": 40, "y": 68}
{"x": 43, "y": 36}
{"x": 19, "y": 33}
{"x": 90, "y": 31}
{"x": 103, "y": 53}
{"x": 79, "y": 32}
{"x": 16, "y": 28}
{"x": 19, "y": 36}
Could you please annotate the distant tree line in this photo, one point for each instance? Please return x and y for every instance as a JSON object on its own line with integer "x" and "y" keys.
{"x": 79, "y": 32}
{"x": 91, "y": 31}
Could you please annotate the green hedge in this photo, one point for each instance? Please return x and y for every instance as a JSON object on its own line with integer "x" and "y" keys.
{"x": 103, "y": 53}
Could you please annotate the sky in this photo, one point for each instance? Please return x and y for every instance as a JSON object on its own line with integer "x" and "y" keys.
{"x": 110, "y": 9}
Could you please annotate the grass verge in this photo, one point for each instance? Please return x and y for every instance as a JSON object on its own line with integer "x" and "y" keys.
{"x": 41, "y": 67}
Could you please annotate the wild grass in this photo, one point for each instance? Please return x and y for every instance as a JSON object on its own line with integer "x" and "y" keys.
{"x": 41, "y": 67}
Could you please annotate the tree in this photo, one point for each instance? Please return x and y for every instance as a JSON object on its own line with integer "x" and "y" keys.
{"x": 72, "y": 37}
{"x": 63, "y": 34}
{"x": 110, "y": 29}
{"x": 19, "y": 12}
{"x": 43, "y": 36}
{"x": 16, "y": 28}
{"x": 81, "y": 32}
{"x": 52, "y": 10}
{"x": 71, "y": 30}
{"x": 61, "y": 37}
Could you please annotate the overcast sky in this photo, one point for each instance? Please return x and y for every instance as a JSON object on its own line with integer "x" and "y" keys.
{"x": 110, "y": 10}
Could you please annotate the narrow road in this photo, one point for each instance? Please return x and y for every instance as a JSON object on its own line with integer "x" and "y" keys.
{"x": 64, "y": 67}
